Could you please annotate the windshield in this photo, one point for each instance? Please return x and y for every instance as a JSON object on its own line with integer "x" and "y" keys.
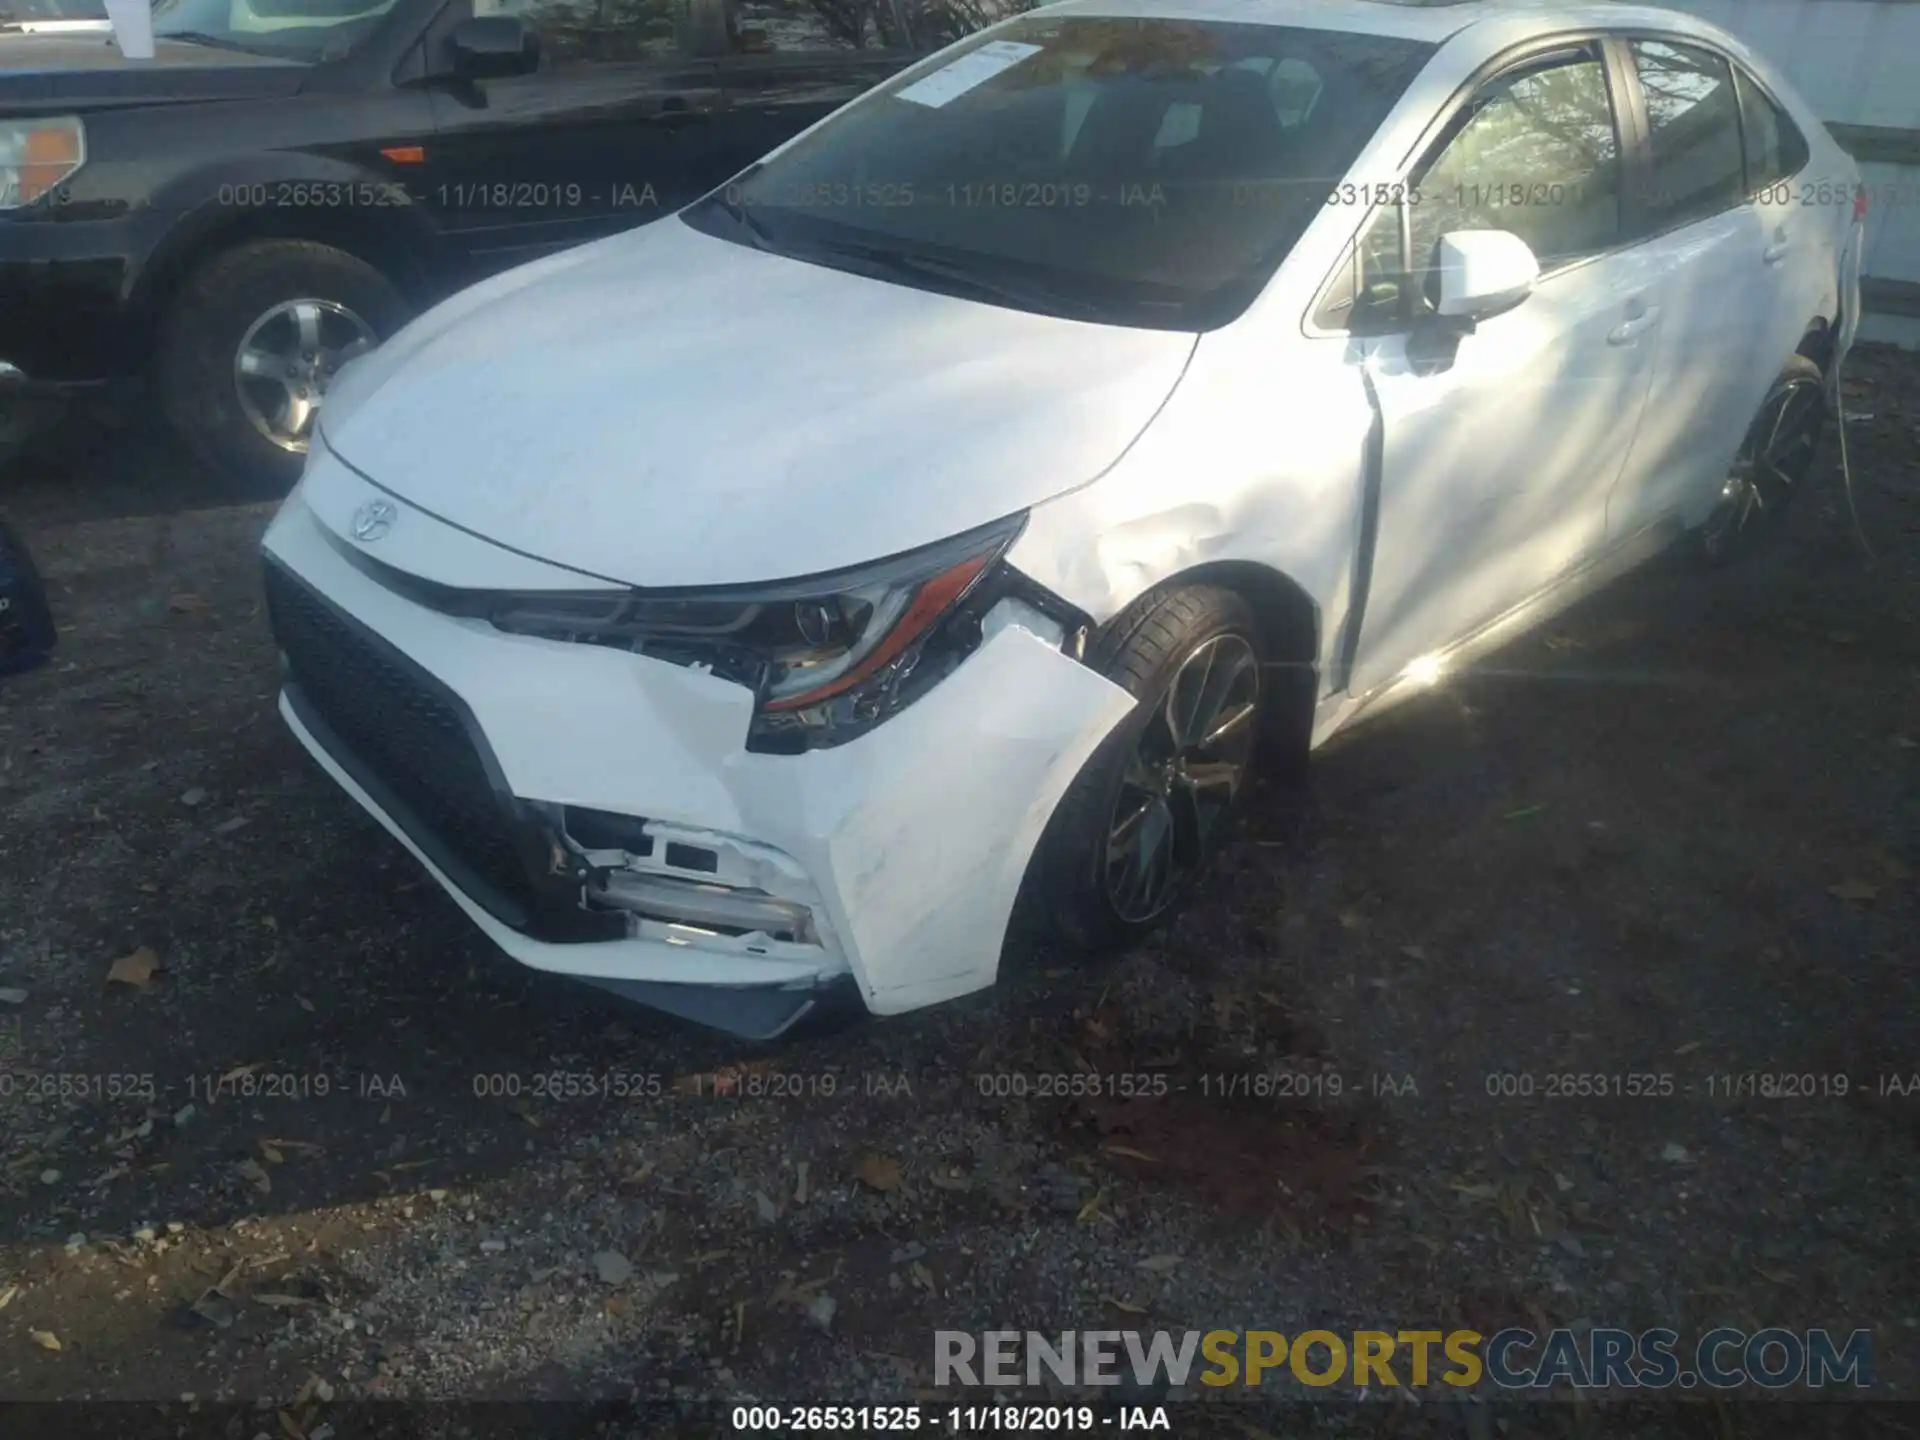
{"x": 309, "y": 30}
{"x": 1143, "y": 172}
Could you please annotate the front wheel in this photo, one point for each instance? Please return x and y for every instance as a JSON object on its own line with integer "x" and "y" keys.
{"x": 1771, "y": 467}
{"x": 253, "y": 340}
{"x": 1146, "y": 813}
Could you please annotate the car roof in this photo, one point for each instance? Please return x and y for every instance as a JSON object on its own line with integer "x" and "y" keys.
{"x": 1430, "y": 20}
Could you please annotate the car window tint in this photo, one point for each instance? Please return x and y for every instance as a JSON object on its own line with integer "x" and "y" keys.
{"x": 1693, "y": 123}
{"x": 1367, "y": 297}
{"x": 1151, "y": 170}
{"x": 1536, "y": 155}
{"x": 594, "y": 30}
{"x": 1776, "y": 150}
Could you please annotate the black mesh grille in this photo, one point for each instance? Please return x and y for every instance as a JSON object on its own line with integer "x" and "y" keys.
{"x": 405, "y": 729}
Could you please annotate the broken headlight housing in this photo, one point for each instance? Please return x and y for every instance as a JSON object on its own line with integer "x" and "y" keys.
{"x": 827, "y": 657}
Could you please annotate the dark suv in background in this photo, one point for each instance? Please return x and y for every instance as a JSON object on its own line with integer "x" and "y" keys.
{"x": 287, "y": 181}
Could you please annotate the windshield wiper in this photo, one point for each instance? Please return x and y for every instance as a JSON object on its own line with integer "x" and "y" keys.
{"x": 200, "y": 37}
{"x": 954, "y": 276}
{"x": 737, "y": 211}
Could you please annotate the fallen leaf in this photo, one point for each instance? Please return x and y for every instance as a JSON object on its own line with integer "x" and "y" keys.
{"x": 188, "y": 603}
{"x": 1091, "y": 1210}
{"x": 1130, "y": 1153}
{"x": 215, "y": 1309}
{"x": 280, "y": 1302}
{"x": 1480, "y": 1191}
{"x": 1778, "y": 1277}
{"x": 1126, "y": 1306}
{"x": 519, "y": 1106}
{"x": 923, "y": 1277}
{"x": 45, "y": 1339}
{"x": 1675, "y": 1153}
{"x": 1905, "y": 742}
{"x": 1852, "y": 889}
{"x": 636, "y": 1177}
{"x": 239, "y": 1072}
{"x": 1413, "y": 952}
{"x": 137, "y": 969}
{"x": 6, "y": 1295}
{"x": 800, "y": 1182}
{"x": 1688, "y": 1048}
{"x": 271, "y": 1153}
{"x": 1159, "y": 1264}
{"x": 1523, "y": 812}
{"x": 878, "y": 1172}
{"x": 255, "y": 1175}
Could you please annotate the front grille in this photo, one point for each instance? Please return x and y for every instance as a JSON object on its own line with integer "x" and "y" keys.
{"x": 391, "y": 721}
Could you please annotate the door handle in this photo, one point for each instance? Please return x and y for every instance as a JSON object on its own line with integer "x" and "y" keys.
{"x": 1627, "y": 331}
{"x": 1775, "y": 252}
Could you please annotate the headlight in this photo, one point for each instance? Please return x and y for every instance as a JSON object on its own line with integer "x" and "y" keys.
{"x": 36, "y": 155}
{"x": 828, "y": 657}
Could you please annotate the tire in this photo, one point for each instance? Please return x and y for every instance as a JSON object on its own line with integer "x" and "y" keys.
{"x": 1144, "y": 651}
{"x": 1752, "y": 508}
{"x": 217, "y": 307}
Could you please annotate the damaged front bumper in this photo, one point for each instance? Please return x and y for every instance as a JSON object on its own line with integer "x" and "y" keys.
{"x": 597, "y": 813}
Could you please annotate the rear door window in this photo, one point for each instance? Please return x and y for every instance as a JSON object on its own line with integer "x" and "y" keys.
{"x": 1695, "y": 159}
{"x": 1776, "y": 150}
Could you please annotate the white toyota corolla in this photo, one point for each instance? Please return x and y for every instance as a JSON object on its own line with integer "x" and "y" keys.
{"x": 759, "y": 601}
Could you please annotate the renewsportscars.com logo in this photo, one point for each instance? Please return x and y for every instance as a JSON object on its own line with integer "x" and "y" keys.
{"x": 1774, "y": 1358}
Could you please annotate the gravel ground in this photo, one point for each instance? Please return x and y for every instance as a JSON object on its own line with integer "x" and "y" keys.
{"x": 1671, "y": 836}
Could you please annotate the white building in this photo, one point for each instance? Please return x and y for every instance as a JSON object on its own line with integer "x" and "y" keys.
{"x": 1858, "y": 63}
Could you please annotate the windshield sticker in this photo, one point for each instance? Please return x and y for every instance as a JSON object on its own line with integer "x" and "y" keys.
{"x": 976, "y": 67}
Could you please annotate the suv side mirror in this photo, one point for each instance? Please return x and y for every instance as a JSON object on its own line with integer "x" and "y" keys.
{"x": 1483, "y": 272}
{"x": 490, "y": 47}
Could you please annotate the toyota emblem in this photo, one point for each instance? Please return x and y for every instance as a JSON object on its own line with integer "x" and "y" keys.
{"x": 374, "y": 519}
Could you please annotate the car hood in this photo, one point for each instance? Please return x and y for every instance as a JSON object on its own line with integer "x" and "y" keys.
{"x": 665, "y": 408}
{"x": 67, "y": 71}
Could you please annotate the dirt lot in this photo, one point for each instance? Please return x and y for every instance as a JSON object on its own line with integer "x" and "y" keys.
{"x": 1673, "y": 836}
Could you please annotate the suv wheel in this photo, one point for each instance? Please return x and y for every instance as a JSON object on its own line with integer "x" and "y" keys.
{"x": 1143, "y": 818}
{"x": 254, "y": 338}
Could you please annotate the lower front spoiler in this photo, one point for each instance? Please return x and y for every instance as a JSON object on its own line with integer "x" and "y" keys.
{"x": 757, "y": 999}
{"x": 753, "y": 1012}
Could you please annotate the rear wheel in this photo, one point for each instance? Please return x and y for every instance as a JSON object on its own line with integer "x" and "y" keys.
{"x": 253, "y": 340}
{"x": 1771, "y": 467}
{"x": 1142, "y": 820}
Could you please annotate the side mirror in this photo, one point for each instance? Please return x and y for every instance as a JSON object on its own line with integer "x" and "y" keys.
{"x": 490, "y": 47}
{"x": 1483, "y": 272}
